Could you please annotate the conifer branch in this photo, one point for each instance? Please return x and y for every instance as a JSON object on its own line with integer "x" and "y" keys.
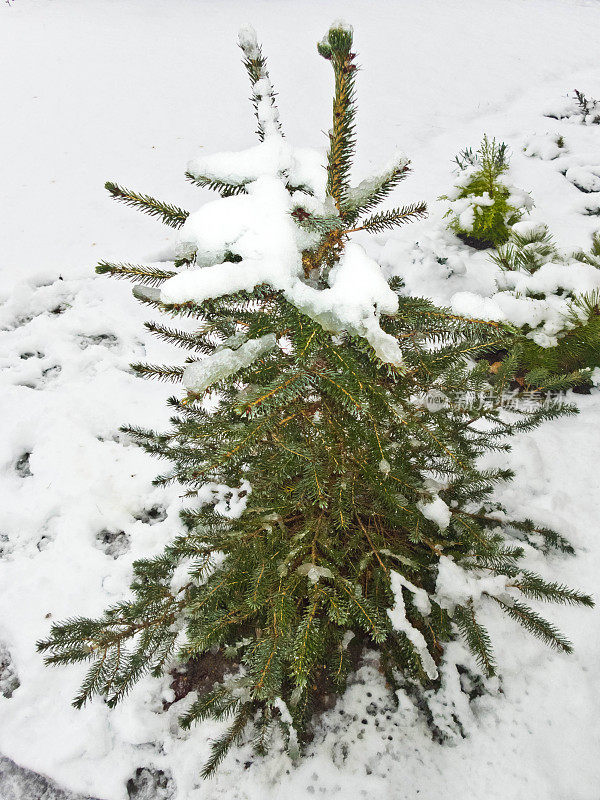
{"x": 536, "y": 624}
{"x": 534, "y": 586}
{"x": 161, "y": 373}
{"x": 224, "y": 188}
{"x": 315, "y": 223}
{"x": 221, "y": 746}
{"x": 551, "y": 538}
{"x": 217, "y": 703}
{"x": 477, "y": 638}
{"x": 169, "y": 214}
{"x": 149, "y": 276}
{"x": 189, "y": 341}
{"x": 593, "y": 255}
{"x": 386, "y": 220}
{"x": 370, "y": 192}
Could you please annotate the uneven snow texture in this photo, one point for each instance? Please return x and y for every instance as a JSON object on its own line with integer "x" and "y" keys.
{"x": 127, "y": 91}
{"x": 17, "y": 783}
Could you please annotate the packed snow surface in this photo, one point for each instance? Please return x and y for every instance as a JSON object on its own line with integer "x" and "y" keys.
{"x": 128, "y": 92}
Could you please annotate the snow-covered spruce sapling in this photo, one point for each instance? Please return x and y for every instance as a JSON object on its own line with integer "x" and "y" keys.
{"x": 591, "y": 256}
{"x": 562, "y": 333}
{"x": 578, "y": 108}
{"x": 588, "y": 107}
{"x": 483, "y": 207}
{"x": 360, "y": 518}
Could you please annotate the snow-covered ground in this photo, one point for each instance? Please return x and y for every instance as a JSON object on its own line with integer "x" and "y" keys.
{"x": 129, "y": 91}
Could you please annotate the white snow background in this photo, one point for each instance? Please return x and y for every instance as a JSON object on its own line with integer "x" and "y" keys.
{"x": 130, "y": 90}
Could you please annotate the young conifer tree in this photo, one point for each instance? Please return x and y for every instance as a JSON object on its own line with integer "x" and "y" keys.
{"x": 365, "y": 517}
{"x": 483, "y": 207}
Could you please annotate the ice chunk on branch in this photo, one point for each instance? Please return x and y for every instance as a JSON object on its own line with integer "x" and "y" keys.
{"x": 202, "y": 374}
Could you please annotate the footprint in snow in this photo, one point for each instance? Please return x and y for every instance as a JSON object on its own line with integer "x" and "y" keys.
{"x": 9, "y": 680}
{"x": 112, "y": 543}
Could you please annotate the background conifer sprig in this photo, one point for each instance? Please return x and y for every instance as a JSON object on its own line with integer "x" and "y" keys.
{"x": 356, "y": 511}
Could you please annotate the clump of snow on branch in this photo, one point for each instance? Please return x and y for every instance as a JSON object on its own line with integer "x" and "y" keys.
{"x": 542, "y": 300}
{"x": 384, "y": 467}
{"x": 287, "y": 720}
{"x": 576, "y": 108}
{"x": 228, "y": 501}
{"x": 313, "y": 572}
{"x": 586, "y": 177}
{"x": 457, "y": 586}
{"x": 274, "y": 156}
{"x": 435, "y": 510}
{"x": 340, "y": 24}
{"x": 420, "y": 596}
{"x": 400, "y": 622}
{"x": 248, "y": 41}
{"x": 545, "y": 146}
{"x": 356, "y": 196}
{"x": 257, "y": 225}
{"x": 552, "y": 278}
{"x": 358, "y": 293}
{"x": 198, "y": 376}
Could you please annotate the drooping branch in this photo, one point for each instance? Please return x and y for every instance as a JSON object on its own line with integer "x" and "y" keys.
{"x": 223, "y": 187}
